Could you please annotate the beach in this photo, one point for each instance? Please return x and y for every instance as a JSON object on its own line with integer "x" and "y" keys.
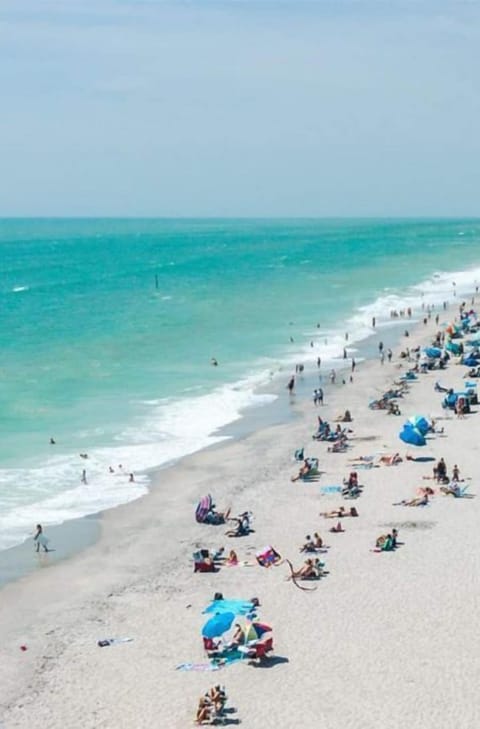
{"x": 387, "y": 638}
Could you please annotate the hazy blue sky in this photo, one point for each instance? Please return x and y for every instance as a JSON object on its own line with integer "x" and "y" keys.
{"x": 235, "y": 107}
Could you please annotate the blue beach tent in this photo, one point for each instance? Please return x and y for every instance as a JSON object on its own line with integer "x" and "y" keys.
{"x": 412, "y": 436}
{"x": 420, "y": 423}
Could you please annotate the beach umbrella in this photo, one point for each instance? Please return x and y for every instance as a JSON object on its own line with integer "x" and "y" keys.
{"x": 433, "y": 352}
{"x": 453, "y": 347}
{"x": 204, "y": 506}
{"x": 218, "y": 625}
{"x": 254, "y": 631}
{"x": 237, "y": 607}
{"x": 470, "y": 361}
{"x": 412, "y": 436}
{"x": 420, "y": 423}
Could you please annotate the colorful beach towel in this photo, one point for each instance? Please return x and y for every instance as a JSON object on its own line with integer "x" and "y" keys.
{"x": 197, "y": 667}
{"x": 331, "y": 489}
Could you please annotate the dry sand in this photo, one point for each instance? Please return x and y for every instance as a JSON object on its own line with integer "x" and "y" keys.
{"x": 386, "y": 640}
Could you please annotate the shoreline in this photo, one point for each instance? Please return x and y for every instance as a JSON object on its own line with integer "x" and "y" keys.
{"x": 72, "y": 537}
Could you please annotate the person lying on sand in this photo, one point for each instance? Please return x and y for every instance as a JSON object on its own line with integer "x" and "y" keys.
{"x": 453, "y": 489}
{"x": 340, "y": 512}
{"x": 390, "y": 460}
{"x": 420, "y": 501}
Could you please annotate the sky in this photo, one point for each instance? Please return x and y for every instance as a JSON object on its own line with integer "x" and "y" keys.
{"x": 239, "y": 108}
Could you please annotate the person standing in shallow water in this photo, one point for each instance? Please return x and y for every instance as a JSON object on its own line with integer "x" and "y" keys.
{"x": 291, "y": 385}
{"x": 40, "y": 540}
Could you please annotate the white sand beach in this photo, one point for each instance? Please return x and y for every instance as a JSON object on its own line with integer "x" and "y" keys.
{"x": 386, "y": 639}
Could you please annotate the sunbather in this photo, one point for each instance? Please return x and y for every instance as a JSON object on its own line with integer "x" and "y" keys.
{"x": 420, "y": 501}
{"x": 345, "y": 418}
{"x": 317, "y": 541}
{"x": 338, "y": 513}
{"x": 390, "y": 460}
{"x": 384, "y": 542}
{"x": 238, "y": 636}
{"x": 309, "y": 546}
{"x": 216, "y": 517}
{"x": 312, "y": 569}
{"x": 243, "y": 526}
{"x": 204, "y": 712}
{"x": 338, "y": 528}
{"x": 453, "y": 489}
{"x": 232, "y": 559}
{"x": 216, "y": 696}
{"x": 304, "y": 470}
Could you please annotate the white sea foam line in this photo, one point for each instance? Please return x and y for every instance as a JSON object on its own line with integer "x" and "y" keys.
{"x": 173, "y": 429}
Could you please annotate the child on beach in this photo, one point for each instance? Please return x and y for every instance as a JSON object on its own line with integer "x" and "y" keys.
{"x": 40, "y": 540}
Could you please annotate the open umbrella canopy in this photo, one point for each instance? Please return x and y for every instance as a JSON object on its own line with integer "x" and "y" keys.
{"x": 237, "y": 607}
{"x": 421, "y": 423}
{"x": 254, "y": 631}
{"x": 433, "y": 352}
{"x": 204, "y": 506}
{"x": 412, "y": 436}
{"x": 218, "y": 625}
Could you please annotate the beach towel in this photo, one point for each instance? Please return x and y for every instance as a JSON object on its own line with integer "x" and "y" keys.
{"x": 331, "y": 489}
{"x": 113, "y": 641}
{"x": 197, "y": 667}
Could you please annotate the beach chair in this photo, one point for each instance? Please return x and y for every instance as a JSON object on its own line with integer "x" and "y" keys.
{"x": 202, "y": 561}
{"x": 260, "y": 650}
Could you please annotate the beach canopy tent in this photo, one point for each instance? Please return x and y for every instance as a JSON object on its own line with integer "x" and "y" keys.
{"x": 419, "y": 422}
{"x": 237, "y": 607}
{"x": 204, "y": 506}
{"x": 218, "y": 625}
{"x": 433, "y": 352}
{"x": 470, "y": 361}
{"x": 412, "y": 436}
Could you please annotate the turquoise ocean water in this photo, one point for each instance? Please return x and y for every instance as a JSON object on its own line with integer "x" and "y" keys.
{"x": 108, "y": 328}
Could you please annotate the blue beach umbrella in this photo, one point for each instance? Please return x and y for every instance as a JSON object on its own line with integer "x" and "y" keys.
{"x": 433, "y": 352}
{"x": 420, "y": 423}
{"x": 412, "y": 436}
{"x": 237, "y": 607}
{"x": 218, "y": 625}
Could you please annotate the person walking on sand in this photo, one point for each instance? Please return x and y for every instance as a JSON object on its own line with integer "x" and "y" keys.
{"x": 320, "y": 396}
{"x": 389, "y": 354}
{"x": 382, "y": 357}
{"x": 354, "y": 364}
{"x": 333, "y": 376}
{"x": 40, "y": 540}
